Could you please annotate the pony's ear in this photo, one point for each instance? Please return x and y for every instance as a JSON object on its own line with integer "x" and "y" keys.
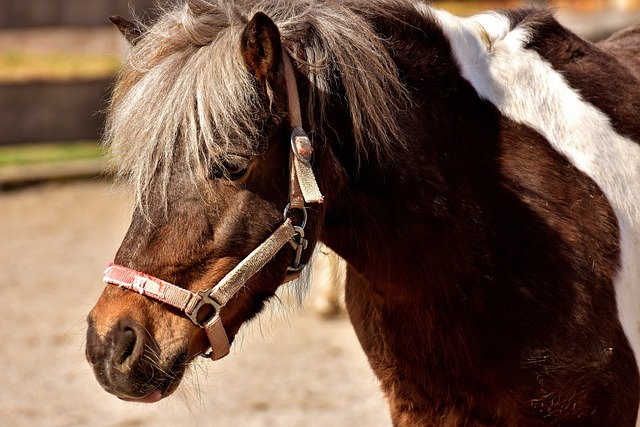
{"x": 261, "y": 48}
{"x": 130, "y": 30}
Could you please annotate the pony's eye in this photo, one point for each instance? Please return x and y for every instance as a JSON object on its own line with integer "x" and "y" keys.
{"x": 231, "y": 168}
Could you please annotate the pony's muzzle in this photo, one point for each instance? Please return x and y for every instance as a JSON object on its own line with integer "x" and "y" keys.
{"x": 116, "y": 358}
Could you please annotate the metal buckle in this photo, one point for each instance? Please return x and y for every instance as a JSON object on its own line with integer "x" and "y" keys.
{"x": 205, "y": 299}
{"x": 301, "y": 145}
{"x": 299, "y": 243}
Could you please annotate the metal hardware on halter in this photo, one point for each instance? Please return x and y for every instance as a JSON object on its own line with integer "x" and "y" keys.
{"x": 304, "y": 215}
{"x": 205, "y": 300}
{"x": 299, "y": 244}
{"x": 301, "y": 145}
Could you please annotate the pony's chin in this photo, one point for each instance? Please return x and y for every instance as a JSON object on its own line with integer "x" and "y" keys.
{"x": 154, "y": 397}
{"x": 161, "y": 390}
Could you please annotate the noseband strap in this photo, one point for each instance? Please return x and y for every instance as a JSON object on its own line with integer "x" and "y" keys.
{"x": 192, "y": 304}
{"x": 303, "y": 189}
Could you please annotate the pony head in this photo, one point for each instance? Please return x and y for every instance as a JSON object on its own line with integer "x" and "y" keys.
{"x": 212, "y": 183}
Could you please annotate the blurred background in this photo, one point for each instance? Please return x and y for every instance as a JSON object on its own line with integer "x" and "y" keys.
{"x": 61, "y": 222}
{"x": 57, "y": 58}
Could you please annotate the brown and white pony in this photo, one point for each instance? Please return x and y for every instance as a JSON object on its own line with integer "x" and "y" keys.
{"x": 481, "y": 176}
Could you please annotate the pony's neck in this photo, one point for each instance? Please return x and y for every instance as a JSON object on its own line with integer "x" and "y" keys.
{"x": 401, "y": 221}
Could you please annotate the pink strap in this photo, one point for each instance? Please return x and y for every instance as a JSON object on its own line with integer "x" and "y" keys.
{"x": 151, "y": 286}
{"x": 171, "y": 294}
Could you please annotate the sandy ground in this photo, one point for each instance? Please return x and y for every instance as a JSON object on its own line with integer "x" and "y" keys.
{"x": 291, "y": 367}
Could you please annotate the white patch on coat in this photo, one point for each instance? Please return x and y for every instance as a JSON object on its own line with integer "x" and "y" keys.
{"x": 526, "y": 88}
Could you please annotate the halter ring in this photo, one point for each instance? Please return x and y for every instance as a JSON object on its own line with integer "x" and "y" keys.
{"x": 204, "y": 301}
{"x": 304, "y": 215}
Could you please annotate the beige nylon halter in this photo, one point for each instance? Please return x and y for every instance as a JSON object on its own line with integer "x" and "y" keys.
{"x": 303, "y": 189}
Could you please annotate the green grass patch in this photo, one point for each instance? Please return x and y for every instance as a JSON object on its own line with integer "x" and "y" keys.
{"x": 50, "y": 152}
{"x": 16, "y": 66}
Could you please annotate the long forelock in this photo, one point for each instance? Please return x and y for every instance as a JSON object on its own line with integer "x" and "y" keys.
{"x": 168, "y": 107}
{"x": 184, "y": 95}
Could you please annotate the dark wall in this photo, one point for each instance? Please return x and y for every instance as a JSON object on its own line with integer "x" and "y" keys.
{"x": 57, "y": 111}
{"x": 34, "y": 13}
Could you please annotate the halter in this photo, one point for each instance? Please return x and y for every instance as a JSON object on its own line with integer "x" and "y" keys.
{"x": 302, "y": 189}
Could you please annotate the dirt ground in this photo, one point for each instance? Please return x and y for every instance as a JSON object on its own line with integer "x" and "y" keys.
{"x": 290, "y": 368}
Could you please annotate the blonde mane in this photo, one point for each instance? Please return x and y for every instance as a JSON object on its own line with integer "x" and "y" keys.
{"x": 184, "y": 93}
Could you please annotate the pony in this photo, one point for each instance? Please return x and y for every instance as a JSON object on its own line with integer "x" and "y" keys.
{"x": 479, "y": 176}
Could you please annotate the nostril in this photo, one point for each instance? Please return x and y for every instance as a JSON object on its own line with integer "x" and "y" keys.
{"x": 124, "y": 349}
{"x": 127, "y": 348}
